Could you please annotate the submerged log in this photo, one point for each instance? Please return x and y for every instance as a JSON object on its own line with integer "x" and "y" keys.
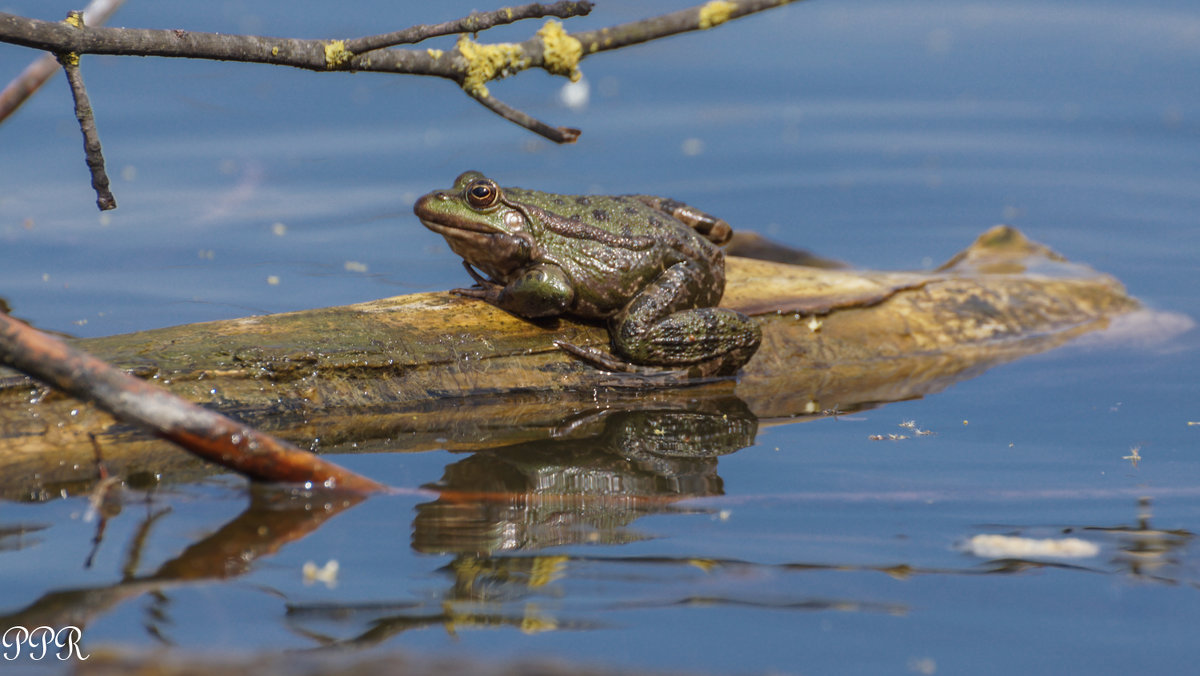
{"x": 432, "y": 370}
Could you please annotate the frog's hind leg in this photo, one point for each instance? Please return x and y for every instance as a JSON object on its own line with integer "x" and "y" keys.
{"x": 634, "y": 375}
{"x": 660, "y": 327}
{"x": 714, "y": 229}
{"x": 601, "y": 359}
{"x": 716, "y": 341}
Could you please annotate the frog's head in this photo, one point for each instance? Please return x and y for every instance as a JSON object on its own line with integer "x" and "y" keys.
{"x": 479, "y": 224}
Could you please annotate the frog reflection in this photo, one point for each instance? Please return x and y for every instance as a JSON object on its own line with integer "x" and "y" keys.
{"x": 581, "y": 489}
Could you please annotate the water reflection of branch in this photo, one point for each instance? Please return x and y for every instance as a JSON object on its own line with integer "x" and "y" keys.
{"x": 137, "y": 545}
{"x": 16, "y": 537}
{"x": 272, "y": 520}
{"x": 376, "y": 623}
{"x": 503, "y": 591}
{"x": 525, "y": 591}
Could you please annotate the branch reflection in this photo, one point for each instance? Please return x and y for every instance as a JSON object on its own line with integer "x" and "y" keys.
{"x": 273, "y": 518}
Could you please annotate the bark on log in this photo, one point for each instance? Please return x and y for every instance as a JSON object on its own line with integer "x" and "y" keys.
{"x": 433, "y": 370}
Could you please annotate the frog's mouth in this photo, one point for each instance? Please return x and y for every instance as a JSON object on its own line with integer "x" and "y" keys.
{"x": 453, "y": 227}
{"x": 446, "y": 224}
{"x": 467, "y": 239}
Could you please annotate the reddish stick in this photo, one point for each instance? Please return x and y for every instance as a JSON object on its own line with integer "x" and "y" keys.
{"x": 204, "y": 433}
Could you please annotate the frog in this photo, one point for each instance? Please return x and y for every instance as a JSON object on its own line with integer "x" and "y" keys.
{"x": 651, "y": 267}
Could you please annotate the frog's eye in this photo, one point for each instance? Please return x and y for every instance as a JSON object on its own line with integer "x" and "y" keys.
{"x": 482, "y": 193}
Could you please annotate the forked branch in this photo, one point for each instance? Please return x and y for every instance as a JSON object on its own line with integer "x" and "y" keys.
{"x": 471, "y": 64}
{"x": 87, "y": 124}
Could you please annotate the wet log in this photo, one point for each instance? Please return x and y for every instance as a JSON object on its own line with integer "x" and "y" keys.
{"x": 433, "y": 370}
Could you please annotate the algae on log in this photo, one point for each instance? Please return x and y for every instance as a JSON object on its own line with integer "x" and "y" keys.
{"x": 433, "y": 370}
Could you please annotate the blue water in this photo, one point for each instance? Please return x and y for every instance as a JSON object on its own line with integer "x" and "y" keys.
{"x": 886, "y": 134}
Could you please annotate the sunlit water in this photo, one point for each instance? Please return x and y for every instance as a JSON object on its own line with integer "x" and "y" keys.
{"x": 886, "y": 134}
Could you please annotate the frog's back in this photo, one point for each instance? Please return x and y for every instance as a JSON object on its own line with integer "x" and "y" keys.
{"x": 613, "y": 246}
{"x": 619, "y": 215}
{"x": 630, "y": 223}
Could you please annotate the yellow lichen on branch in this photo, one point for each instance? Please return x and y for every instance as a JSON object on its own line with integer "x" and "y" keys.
{"x": 716, "y": 13}
{"x": 488, "y": 62}
{"x": 336, "y": 55}
{"x": 75, "y": 20}
{"x": 560, "y": 52}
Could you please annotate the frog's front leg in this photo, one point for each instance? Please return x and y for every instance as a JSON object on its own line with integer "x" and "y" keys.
{"x": 540, "y": 291}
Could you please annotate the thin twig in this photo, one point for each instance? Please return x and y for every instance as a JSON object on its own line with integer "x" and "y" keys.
{"x": 473, "y": 23}
{"x": 701, "y": 17}
{"x": 42, "y": 68}
{"x": 556, "y": 134}
{"x": 204, "y": 433}
{"x": 92, "y": 151}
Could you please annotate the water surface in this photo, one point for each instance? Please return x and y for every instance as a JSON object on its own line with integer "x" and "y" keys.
{"x": 887, "y": 135}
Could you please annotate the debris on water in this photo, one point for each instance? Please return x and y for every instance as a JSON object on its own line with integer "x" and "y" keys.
{"x": 1134, "y": 455}
{"x": 327, "y": 574}
{"x": 1009, "y": 546}
{"x": 908, "y": 425}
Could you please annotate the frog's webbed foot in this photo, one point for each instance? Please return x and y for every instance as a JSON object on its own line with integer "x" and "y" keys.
{"x": 484, "y": 289}
{"x": 598, "y": 358}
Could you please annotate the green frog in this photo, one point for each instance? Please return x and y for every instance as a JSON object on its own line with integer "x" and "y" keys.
{"x": 650, "y": 266}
